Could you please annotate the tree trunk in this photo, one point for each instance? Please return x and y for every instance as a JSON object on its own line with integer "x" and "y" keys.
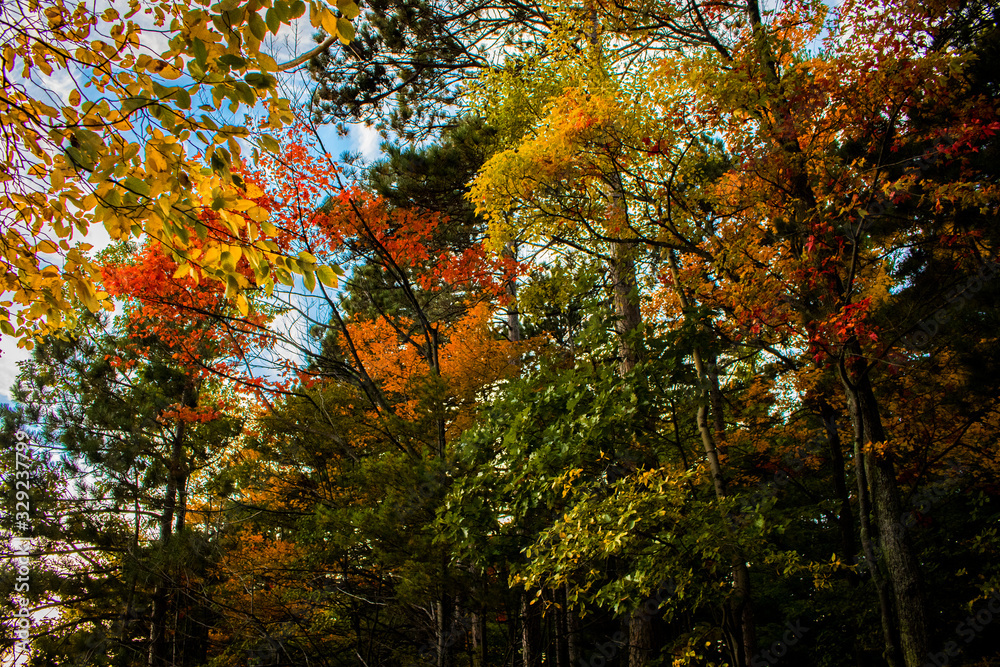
{"x": 158, "y": 613}
{"x": 891, "y": 652}
{"x": 478, "y": 621}
{"x": 530, "y": 630}
{"x": 740, "y": 606}
{"x": 640, "y": 638}
{"x": 845, "y": 518}
{"x": 444, "y": 613}
{"x": 572, "y": 630}
{"x": 626, "y": 301}
{"x": 513, "y": 315}
{"x": 901, "y": 564}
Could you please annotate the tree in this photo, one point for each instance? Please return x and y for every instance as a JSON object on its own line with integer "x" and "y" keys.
{"x": 412, "y": 60}
{"x": 141, "y": 418}
{"x": 783, "y": 115}
{"x": 136, "y": 439}
{"x": 124, "y": 148}
{"x": 400, "y": 365}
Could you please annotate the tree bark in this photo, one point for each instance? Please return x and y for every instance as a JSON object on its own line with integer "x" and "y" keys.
{"x": 640, "y": 638}
{"x": 572, "y": 630}
{"x": 901, "y": 564}
{"x": 158, "y": 613}
{"x": 626, "y": 302}
{"x": 530, "y": 631}
{"x": 478, "y": 621}
{"x": 513, "y": 315}
{"x": 845, "y": 518}
{"x": 891, "y": 652}
{"x": 444, "y": 612}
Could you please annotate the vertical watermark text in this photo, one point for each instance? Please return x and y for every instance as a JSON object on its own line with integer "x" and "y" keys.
{"x": 23, "y": 466}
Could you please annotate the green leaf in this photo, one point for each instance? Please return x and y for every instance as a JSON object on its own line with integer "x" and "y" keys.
{"x": 281, "y": 9}
{"x": 345, "y": 30}
{"x": 233, "y": 60}
{"x": 284, "y": 277}
{"x": 245, "y": 92}
{"x": 257, "y": 26}
{"x": 137, "y": 185}
{"x": 348, "y": 8}
{"x": 258, "y": 80}
{"x": 182, "y": 98}
{"x": 218, "y": 164}
{"x": 269, "y": 143}
{"x": 200, "y": 52}
{"x": 133, "y": 103}
{"x": 273, "y": 21}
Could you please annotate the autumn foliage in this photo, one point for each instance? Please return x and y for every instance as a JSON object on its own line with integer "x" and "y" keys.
{"x": 681, "y": 340}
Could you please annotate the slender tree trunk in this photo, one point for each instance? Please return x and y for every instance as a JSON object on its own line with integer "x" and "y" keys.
{"x": 845, "y": 518}
{"x": 513, "y": 315}
{"x": 530, "y": 631}
{"x": 572, "y": 630}
{"x": 640, "y": 638}
{"x": 741, "y": 604}
{"x": 181, "y": 509}
{"x": 561, "y": 629}
{"x": 445, "y": 613}
{"x": 891, "y": 652}
{"x": 478, "y": 621}
{"x": 158, "y": 613}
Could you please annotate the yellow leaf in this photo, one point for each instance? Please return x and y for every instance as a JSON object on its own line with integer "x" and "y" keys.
{"x": 328, "y": 21}
{"x": 170, "y": 72}
{"x": 348, "y": 8}
{"x": 326, "y": 276}
{"x": 257, "y": 214}
{"x": 266, "y": 62}
{"x": 242, "y": 305}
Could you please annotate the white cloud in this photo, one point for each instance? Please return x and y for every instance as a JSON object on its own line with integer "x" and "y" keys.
{"x": 367, "y": 141}
{"x": 10, "y": 354}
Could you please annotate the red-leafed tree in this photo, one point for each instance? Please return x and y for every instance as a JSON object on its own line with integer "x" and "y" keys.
{"x": 185, "y": 334}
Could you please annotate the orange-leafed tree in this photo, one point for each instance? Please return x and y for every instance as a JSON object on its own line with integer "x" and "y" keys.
{"x": 855, "y": 181}
{"x": 403, "y": 348}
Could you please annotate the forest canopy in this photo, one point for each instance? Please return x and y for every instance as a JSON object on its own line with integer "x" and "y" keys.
{"x": 659, "y": 334}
